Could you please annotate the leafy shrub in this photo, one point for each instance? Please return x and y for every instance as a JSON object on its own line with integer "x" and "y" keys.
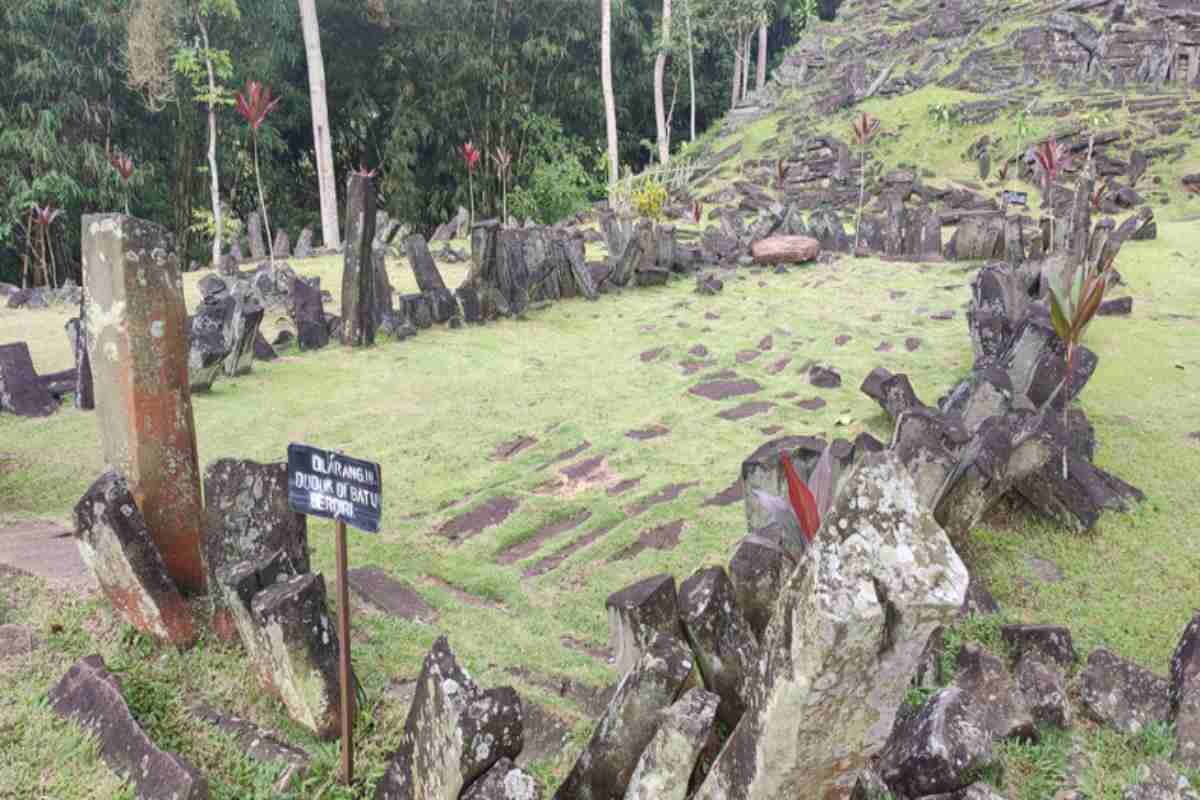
{"x": 553, "y": 177}
{"x": 649, "y": 200}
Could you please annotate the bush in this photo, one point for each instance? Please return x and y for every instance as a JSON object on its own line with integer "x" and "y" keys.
{"x": 553, "y": 180}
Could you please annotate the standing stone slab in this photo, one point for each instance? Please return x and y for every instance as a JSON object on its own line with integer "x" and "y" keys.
{"x": 667, "y": 762}
{"x": 1185, "y": 695}
{"x": 304, "y": 243}
{"x": 91, "y": 695}
{"x": 243, "y": 329}
{"x": 843, "y": 644}
{"x": 247, "y": 518}
{"x": 20, "y": 391}
{"x": 726, "y": 651}
{"x": 630, "y": 721}
{"x": 116, "y": 545}
{"x": 137, "y": 343}
{"x": 455, "y": 732}
{"x": 759, "y": 568}
{"x": 358, "y": 270}
{"x": 254, "y": 232}
{"x": 637, "y": 614}
{"x": 283, "y": 245}
{"x": 423, "y": 267}
{"x": 85, "y": 393}
{"x": 308, "y": 315}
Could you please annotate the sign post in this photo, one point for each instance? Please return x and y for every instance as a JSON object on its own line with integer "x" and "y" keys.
{"x": 325, "y": 483}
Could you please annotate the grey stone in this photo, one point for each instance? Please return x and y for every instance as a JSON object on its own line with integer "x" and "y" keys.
{"x": 1121, "y": 694}
{"x": 359, "y": 321}
{"x": 637, "y": 614}
{"x": 666, "y": 765}
{"x": 378, "y": 588}
{"x": 20, "y": 391}
{"x": 1004, "y": 711}
{"x": 259, "y": 744}
{"x": 1185, "y": 695}
{"x": 1051, "y": 643}
{"x": 1159, "y": 781}
{"x": 1044, "y": 687}
{"x": 504, "y": 781}
{"x": 758, "y": 570}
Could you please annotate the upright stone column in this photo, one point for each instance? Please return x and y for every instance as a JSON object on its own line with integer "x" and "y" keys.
{"x": 358, "y": 271}
{"x": 138, "y": 346}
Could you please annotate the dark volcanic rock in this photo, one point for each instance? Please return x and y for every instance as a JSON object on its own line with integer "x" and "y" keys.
{"x": 758, "y": 570}
{"x": 746, "y": 410}
{"x": 639, "y": 613}
{"x": 1005, "y": 714}
{"x": 20, "y": 391}
{"x": 466, "y": 525}
{"x": 1121, "y": 694}
{"x": 378, "y": 588}
{"x": 723, "y": 389}
{"x": 1051, "y": 643}
{"x": 824, "y": 377}
{"x": 1185, "y": 695}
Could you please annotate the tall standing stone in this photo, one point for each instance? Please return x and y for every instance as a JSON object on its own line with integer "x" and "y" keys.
{"x": 254, "y": 232}
{"x": 358, "y": 270}
{"x": 85, "y": 395}
{"x": 138, "y": 346}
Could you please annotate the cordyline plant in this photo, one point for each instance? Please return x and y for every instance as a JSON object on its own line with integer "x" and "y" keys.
{"x": 1052, "y": 158}
{"x": 865, "y": 128}
{"x": 781, "y": 171}
{"x": 503, "y": 160}
{"x": 123, "y": 164}
{"x": 697, "y": 212}
{"x": 42, "y": 217}
{"x": 254, "y": 104}
{"x": 1072, "y": 309}
{"x": 799, "y": 516}
{"x": 470, "y": 157}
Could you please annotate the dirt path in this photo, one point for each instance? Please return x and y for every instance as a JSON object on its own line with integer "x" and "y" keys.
{"x": 44, "y": 548}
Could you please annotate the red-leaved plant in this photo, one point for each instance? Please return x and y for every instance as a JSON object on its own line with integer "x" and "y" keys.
{"x": 470, "y": 157}
{"x": 123, "y": 164}
{"x": 42, "y": 218}
{"x": 503, "y": 159}
{"x": 800, "y": 515}
{"x": 364, "y": 171}
{"x": 864, "y": 128}
{"x": 697, "y": 212}
{"x": 1052, "y": 158}
{"x": 254, "y": 104}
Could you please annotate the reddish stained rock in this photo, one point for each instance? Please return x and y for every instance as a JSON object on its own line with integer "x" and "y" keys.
{"x": 728, "y": 496}
{"x": 138, "y": 347}
{"x": 663, "y": 495}
{"x": 506, "y": 450}
{"x": 779, "y": 366}
{"x": 623, "y": 486}
{"x": 841, "y": 340}
{"x": 566, "y": 454}
{"x": 912, "y": 344}
{"x": 552, "y": 561}
{"x": 651, "y": 355}
{"x": 490, "y": 513}
{"x": 884, "y": 347}
{"x": 699, "y": 351}
{"x": 746, "y": 356}
{"x": 116, "y": 545}
{"x": 812, "y": 404}
{"x": 785, "y": 250}
{"x": 722, "y": 389}
{"x": 653, "y": 432}
{"x": 766, "y": 343}
{"x": 663, "y": 537}
{"x": 746, "y": 410}
{"x": 528, "y": 547}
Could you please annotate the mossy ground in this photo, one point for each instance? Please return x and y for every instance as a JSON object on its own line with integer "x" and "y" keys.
{"x": 432, "y": 409}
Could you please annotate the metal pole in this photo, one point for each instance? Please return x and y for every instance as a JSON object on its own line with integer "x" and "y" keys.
{"x": 343, "y": 590}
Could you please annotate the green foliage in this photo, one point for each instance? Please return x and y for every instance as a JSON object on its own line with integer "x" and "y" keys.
{"x": 1035, "y": 770}
{"x": 649, "y": 200}
{"x": 192, "y": 64}
{"x": 205, "y": 226}
{"x": 553, "y": 176}
{"x": 944, "y": 116}
{"x": 983, "y": 630}
{"x": 917, "y": 696}
{"x": 1157, "y": 740}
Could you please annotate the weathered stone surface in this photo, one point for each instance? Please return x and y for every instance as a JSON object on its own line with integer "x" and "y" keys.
{"x": 117, "y": 547}
{"x": 1121, "y": 694}
{"x": 283, "y": 245}
{"x": 762, "y": 470}
{"x": 16, "y": 640}
{"x": 209, "y": 348}
{"x": 1185, "y": 695}
{"x": 1003, "y": 711}
{"x": 841, "y": 647}
{"x": 1044, "y": 687}
{"x": 259, "y": 744}
{"x": 308, "y": 315}
{"x": 423, "y": 267}
{"x": 667, "y": 763}
{"x": 785, "y": 250}
{"x": 1159, "y": 781}
{"x": 243, "y": 329}
{"x": 247, "y": 518}
{"x": 758, "y": 570}
{"x": 359, "y": 320}
{"x": 304, "y": 243}
{"x": 85, "y": 392}
{"x": 1051, "y": 643}
{"x": 91, "y": 695}
{"x": 137, "y": 344}
{"x": 455, "y": 732}
{"x": 20, "y": 391}
{"x": 608, "y": 761}
{"x": 254, "y": 232}
{"x": 637, "y": 614}
{"x": 504, "y": 781}
{"x": 723, "y": 643}
{"x": 378, "y": 588}
{"x": 940, "y": 748}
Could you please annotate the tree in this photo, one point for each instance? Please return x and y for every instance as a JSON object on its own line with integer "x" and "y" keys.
{"x": 762, "y": 58}
{"x": 660, "y": 68}
{"x": 203, "y": 66}
{"x": 687, "y": 10}
{"x": 606, "y": 82}
{"x": 322, "y": 139}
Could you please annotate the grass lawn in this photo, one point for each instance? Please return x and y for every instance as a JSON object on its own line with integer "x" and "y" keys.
{"x": 577, "y": 377}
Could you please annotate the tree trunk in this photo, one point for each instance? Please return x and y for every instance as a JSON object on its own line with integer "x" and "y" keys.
{"x": 762, "y": 58}
{"x": 218, "y": 228}
{"x": 745, "y": 66}
{"x": 606, "y": 81}
{"x": 326, "y": 181}
{"x": 660, "y": 67}
{"x": 182, "y": 183}
{"x": 687, "y": 9}
{"x": 737, "y": 72}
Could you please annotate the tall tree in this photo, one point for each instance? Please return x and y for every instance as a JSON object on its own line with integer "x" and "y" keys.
{"x": 606, "y": 82}
{"x": 687, "y": 10}
{"x": 660, "y": 68}
{"x": 762, "y": 57}
{"x": 322, "y": 140}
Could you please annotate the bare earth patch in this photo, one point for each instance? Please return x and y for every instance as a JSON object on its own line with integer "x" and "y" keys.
{"x": 746, "y": 410}
{"x": 728, "y": 496}
{"x": 506, "y": 450}
{"x": 663, "y": 537}
{"x": 43, "y": 548}
{"x": 490, "y": 513}
{"x": 663, "y": 495}
{"x": 723, "y": 389}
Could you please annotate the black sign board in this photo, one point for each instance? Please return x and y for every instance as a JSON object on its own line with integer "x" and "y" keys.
{"x": 327, "y": 484}
{"x": 1016, "y": 198}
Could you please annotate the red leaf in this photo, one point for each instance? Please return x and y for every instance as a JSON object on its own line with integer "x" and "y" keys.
{"x": 803, "y": 502}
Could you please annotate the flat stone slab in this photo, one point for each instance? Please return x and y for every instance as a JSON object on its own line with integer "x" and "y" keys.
{"x": 723, "y": 389}
{"x": 468, "y": 524}
{"x": 651, "y": 355}
{"x": 506, "y": 450}
{"x": 653, "y": 432}
{"x": 663, "y": 495}
{"x": 378, "y": 588}
{"x": 812, "y": 404}
{"x": 16, "y": 640}
{"x": 46, "y": 549}
{"x": 726, "y": 497}
{"x": 746, "y": 356}
{"x": 746, "y": 410}
{"x": 779, "y": 366}
{"x": 257, "y": 743}
{"x": 662, "y": 537}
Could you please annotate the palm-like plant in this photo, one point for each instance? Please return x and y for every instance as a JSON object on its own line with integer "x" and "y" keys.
{"x": 503, "y": 160}
{"x": 42, "y": 217}
{"x": 799, "y": 516}
{"x": 865, "y": 127}
{"x": 1072, "y": 309}
{"x": 254, "y": 104}
{"x": 123, "y": 164}
{"x": 470, "y": 157}
{"x": 1052, "y": 158}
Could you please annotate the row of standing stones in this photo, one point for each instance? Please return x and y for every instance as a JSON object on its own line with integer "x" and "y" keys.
{"x": 802, "y": 658}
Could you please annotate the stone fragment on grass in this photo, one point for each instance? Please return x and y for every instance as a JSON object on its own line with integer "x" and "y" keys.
{"x": 638, "y": 613}
{"x": 666, "y": 765}
{"x": 1121, "y": 694}
{"x": 455, "y": 732}
{"x": 1004, "y": 713}
{"x": 116, "y": 545}
{"x": 377, "y": 587}
{"x": 20, "y": 391}
{"x": 1051, "y": 643}
{"x": 607, "y": 763}
{"x": 308, "y": 315}
{"x": 721, "y": 639}
{"x": 1158, "y": 780}
{"x": 248, "y": 518}
{"x": 1044, "y": 687}
{"x": 1185, "y": 695}
{"x": 842, "y": 644}
{"x": 504, "y": 781}
{"x": 91, "y": 695}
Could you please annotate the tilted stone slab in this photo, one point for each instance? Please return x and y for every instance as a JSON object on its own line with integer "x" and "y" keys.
{"x": 1185, "y": 695}
{"x": 116, "y": 545}
{"x": 637, "y": 614}
{"x": 843, "y": 643}
{"x": 454, "y": 734}
{"x": 248, "y": 518}
{"x": 667, "y": 763}
{"x": 137, "y": 343}
{"x": 243, "y": 329}
{"x": 85, "y": 393}
{"x": 91, "y": 695}
{"x": 721, "y": 639}
{"x": 21, "y": 392}
{"x": 504, "y": 781}
{"x": 423, "y": 267}
{"x": 758, "y": 570}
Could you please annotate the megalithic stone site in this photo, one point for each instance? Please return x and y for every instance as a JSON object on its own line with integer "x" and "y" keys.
{"x": 138, "y": 346}
{"x": 358, "y": 274}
